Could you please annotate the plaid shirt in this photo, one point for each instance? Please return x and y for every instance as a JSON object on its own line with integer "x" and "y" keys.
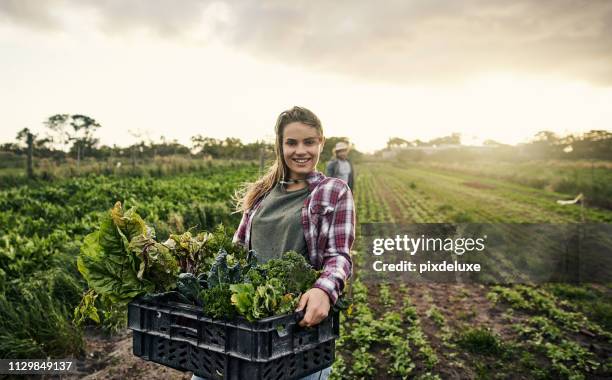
{"x": 328, "y": 220}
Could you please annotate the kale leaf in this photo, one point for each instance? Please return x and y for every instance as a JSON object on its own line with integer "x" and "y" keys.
{"x": 217, "y": 302}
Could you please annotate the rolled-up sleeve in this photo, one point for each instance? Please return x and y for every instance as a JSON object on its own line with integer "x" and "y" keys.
{"x": 337, "y": 263}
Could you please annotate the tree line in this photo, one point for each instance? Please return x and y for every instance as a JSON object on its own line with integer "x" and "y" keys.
{"x": 594, "y": 144}
{"x": 67, "y": 136}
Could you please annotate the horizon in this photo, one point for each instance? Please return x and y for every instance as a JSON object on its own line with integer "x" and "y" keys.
{"x": 190, "y": 145}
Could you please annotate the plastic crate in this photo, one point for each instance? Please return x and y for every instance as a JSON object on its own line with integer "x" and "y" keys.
{"x": 260, "y": 341}
{"x": 213, "y": 365}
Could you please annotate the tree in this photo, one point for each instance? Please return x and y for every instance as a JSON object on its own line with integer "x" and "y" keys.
{"x": 397, "y": 142}
{"x": 453, "y": 139}
{"x": 77, "y": 129}
{"x": 22, "y": 136}
{"x": 39, "y": 143}
{"x": 25, "y": 135}
{"x": 548, "y": 137}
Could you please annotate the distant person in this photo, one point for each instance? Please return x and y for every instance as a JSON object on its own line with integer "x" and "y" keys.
{"x": 341, "y": 167}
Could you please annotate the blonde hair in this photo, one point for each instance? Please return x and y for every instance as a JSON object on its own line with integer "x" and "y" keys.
{"x": 249, "y": 193}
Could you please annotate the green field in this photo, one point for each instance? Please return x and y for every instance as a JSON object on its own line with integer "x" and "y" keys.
{"x": 394, "y": 331}
{"x": 428, "y": 331}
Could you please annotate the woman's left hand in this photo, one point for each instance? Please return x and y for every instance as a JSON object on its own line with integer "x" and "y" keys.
{"x": 317, "y": 306}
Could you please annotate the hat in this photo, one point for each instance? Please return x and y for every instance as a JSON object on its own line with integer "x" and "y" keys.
{"x": 341, "y": 146}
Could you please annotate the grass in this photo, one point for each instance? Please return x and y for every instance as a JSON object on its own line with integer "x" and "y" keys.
{"x": 480, "y": 340}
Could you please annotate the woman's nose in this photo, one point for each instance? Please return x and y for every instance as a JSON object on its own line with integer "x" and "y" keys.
{"x": 301, "y": 149}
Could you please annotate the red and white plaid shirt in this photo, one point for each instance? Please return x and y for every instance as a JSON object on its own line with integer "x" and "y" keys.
{"x": 328, "y": 220}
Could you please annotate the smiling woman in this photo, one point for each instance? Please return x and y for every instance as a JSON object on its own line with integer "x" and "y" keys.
{"x": 295, "y": 208}
{"x": 302, "y": 146}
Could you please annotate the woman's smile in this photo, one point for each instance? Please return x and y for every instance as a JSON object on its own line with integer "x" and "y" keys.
{"x": 301, "y": 161}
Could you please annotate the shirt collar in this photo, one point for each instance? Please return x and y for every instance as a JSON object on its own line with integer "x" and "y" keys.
{"x": 314, "y": 179}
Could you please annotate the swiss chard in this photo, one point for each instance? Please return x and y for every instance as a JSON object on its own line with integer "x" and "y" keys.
{"x": 121, "y": 260}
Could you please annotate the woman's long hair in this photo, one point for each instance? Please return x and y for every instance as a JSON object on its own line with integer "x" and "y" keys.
{"x": 249, "y": 193}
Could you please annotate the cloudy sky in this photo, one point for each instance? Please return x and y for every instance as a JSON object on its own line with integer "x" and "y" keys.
{"x": 487, "y": 69}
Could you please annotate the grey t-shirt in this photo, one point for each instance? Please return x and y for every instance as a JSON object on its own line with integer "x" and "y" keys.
{"x": 277, "y": 224}
{"x": 344, "y": 170}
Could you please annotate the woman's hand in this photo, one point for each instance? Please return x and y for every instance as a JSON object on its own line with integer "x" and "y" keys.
{"x": 317, "y": 306}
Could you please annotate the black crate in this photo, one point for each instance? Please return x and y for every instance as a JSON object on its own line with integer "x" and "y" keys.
{"x": 260, "y": 341}
{"x": 214, "y": 365}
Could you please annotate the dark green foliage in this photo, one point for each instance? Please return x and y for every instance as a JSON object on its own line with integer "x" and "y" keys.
{"x": 274, "y": 287}
{"x": 230, "y": 268}
{"x": 33, "y": 324}
{"x": 187, "y": 285}
{"x": 64, "y": 287}
{"x": 221, "y": 239}
{"x": 480, "y": 341}
{"x": 591, "y": 300}
{"x": 217, "y": 302}
{"x": 292, "y": 270}
{"x": 206, "y": 216}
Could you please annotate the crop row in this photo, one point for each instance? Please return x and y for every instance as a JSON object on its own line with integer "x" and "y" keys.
{"x": 554, "y": 330}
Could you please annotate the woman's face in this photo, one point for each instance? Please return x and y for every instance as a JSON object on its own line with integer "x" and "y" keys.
{"x": 302, "y": 146}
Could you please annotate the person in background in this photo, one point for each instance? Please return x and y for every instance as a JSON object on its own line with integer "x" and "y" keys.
{"x": 341, "y": 167}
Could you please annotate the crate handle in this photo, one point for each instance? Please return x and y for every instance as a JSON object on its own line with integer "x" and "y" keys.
{"x": 299, "y": 315}
{"x": 183, "y": 331}
{"x": 283, "y": 329}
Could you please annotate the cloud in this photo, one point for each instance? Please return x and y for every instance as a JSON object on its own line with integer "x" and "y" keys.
{"x": 29, "y": 13}
{"x": 392, "y": 41}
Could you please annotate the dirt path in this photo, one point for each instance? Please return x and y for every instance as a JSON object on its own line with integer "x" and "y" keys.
{"x": 112, "y": 358}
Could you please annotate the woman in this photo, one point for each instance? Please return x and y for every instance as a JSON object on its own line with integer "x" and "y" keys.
{"x": 294, "y": 207}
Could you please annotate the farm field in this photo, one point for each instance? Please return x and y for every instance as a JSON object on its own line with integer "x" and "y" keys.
{"x": 430, "y": 331}
{"x": 591, "y": 177}
{"x": 395, "y": 331}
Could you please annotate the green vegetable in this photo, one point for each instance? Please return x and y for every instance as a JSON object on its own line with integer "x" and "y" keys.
{"x": 105, "y": 261}
{"x": 273, "y": 288}
{"x": 123, "y": 260}
{"x": 231, "y": 268}
{"x": 221, "y": 238}
{"x": 292, "y": 270}
{"x": 264, "y": 301}
{"x": 217, "y": 303}
{"x": 87, "y": 309}
{"x": 187, "y": 285}
{"x": 190, "y": 250}
{"x": 156, "y": 260}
